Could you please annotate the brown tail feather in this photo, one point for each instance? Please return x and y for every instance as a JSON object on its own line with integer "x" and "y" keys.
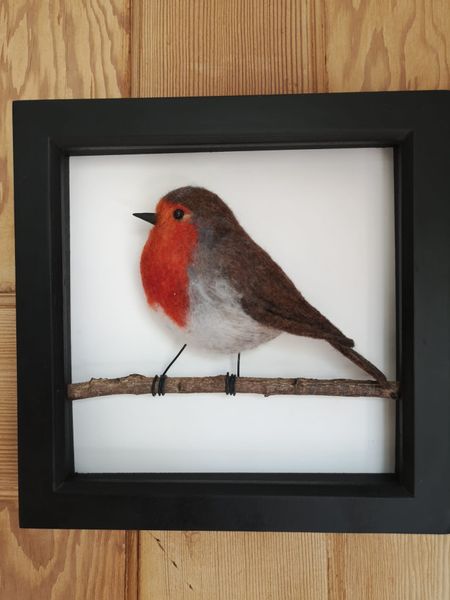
{"x": 360, "y": 361}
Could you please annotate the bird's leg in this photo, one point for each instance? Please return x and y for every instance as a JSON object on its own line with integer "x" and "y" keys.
{"x": 161, "y": 379}
{"x": 230, "y": 380}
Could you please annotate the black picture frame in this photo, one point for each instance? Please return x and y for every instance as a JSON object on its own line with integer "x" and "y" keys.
{"x": 416, "y": 498}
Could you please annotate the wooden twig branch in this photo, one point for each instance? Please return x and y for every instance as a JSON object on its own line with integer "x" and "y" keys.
{"x": 138, "y": 384}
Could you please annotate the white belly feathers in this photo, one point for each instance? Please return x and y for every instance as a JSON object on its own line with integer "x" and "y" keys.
{"x": 218, "y": 322}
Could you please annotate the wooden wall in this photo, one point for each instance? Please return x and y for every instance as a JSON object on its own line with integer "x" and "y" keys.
{"x": 112, "y": 48}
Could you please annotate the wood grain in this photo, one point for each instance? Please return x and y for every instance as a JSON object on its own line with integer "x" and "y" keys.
{"x": 54, "y": 49}
{"x": 233, "y": 566}
{"x": 132, "y": 565}
{"x": 182, "y": 565}
{"x": 50, "y": 49}
{"x": 387, "y": 45}
{"x": 80, "y": 48}
{"x": 388, "y": 567}
{"x": 213, "y": 47}
{"x": 59, "y": 565}
{"x": 8, "y": 410}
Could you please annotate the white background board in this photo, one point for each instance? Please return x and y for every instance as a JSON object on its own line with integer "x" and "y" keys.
{"x": 326, "y": 216}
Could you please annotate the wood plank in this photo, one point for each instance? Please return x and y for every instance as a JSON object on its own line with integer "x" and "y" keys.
{"x": 178, "y": 565}
{"x": 385, "y": 45}
{"x": 201, "y": 47}
{"x": 389, "y": 567}
{"x": 211, "y": 47}
{"x": 54, "y": 49}
{"x": 59, "y": 564}
{"x": 375, "y": 46}
{"x": 227, "y": 565}
{"x": 8, "y": 410}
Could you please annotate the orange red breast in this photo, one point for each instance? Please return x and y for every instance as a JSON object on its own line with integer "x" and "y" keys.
{"x": 165, "y": 261}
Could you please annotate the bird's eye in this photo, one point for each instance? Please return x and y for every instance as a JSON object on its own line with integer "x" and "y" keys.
{"x": 178, "y": 214}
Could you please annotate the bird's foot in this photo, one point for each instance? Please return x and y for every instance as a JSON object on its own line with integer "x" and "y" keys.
{"x": 159, "y": 381}
{"x": 158, "y": 385}
{"x": 230, "y": 384}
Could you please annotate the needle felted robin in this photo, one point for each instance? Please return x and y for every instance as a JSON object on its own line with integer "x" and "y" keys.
{"x": 219, "y": 288}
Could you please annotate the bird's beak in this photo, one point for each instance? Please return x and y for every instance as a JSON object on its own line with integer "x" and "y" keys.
{"x": 149, "y": 217}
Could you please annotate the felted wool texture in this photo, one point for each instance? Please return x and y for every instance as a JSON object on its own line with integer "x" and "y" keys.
{"x": 266, "y": 292}
{"x": 165, "y": 259}
{"x": 216, "y": 319}
{"x": 221, "y": 287}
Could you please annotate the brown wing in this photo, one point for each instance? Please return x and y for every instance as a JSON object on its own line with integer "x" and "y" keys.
{"x": 269, "y": 296}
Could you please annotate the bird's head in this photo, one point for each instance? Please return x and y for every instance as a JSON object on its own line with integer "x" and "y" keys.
{"x": 185, "y": 218}
{"x": 188, "y": 209}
